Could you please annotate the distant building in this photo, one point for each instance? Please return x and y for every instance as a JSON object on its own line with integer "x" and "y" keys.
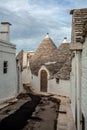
{"x": 79, "y": 68}
{"x": 24, "y": 58}
{"x": 50, "y": 68}
{"x": 9, "y": 87}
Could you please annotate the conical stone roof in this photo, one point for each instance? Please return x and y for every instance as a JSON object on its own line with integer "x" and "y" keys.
{"x": 47, "y": 52}
{"x": 61, "y": 53}
{"x": 62, "y": 68}
{"x": 42, "y": 54}
{"x": 46, "y": 47}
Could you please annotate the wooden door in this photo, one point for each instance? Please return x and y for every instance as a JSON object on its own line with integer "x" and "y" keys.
{"x": 43, "y": 81}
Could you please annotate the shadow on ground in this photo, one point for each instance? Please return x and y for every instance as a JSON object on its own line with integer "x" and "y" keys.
{"x": 18, "y": 119}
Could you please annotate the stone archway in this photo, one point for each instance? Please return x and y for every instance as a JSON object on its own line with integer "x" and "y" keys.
{"x": 43, "y": 81}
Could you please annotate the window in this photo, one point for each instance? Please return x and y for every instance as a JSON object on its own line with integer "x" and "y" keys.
{"x": 5, "y": 67}
{"x": 57, "y": 80}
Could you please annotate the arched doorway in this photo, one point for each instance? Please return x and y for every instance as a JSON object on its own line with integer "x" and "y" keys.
{"x": 43, "y": 81}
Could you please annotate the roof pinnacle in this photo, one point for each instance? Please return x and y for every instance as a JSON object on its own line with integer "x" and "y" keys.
{"x": 47, "y": 35}
{"x": 65, "y": 40}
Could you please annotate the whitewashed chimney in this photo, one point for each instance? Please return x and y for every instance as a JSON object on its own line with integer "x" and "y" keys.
{"x": 5, "y": 31}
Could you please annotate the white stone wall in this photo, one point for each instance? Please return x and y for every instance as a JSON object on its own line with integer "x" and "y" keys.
{"x": 35, "y": 82}
{"x": 26, "y": 75}
{"x": 62, "y": 88}
{"x": 8, "y": 81}
{"x": 73, "y": 88}
{"x": 25, "y": 59}
{"x": 19, "y": 78}
{"x": 84, "y": 82}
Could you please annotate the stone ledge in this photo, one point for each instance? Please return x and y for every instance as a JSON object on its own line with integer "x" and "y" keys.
{"x": 76, "y": 46}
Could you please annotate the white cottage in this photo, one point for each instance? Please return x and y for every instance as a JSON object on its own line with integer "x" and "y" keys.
{"x": 9, "y": 86}
{"x": 50, "y": 68}
{"x": 79, "y": 68}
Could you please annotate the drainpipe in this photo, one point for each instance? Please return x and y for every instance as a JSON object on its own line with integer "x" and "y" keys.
{"x": 75, "y": 92}
{"x": 78, "y": 88}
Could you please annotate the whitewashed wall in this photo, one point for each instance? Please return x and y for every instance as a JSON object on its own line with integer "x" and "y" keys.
{"x": 84, "y": 82}
{"x": 24, "y": 59}
{"x": 73, "y": 88}
{"x": 35, "y": 82}
{"x": 19, "y": 78}
{"x": 26, "y": 75}
{"x": 8, "y": 81}
{"x": 63, "y": 88}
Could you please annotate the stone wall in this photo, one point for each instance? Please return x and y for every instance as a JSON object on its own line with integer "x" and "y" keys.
{"x": 79, "y": 17}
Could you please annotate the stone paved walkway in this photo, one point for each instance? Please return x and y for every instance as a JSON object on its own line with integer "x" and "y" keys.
{"x": 65, "y": 119}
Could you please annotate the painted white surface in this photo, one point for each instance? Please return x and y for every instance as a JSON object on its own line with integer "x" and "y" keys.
{"x": 35, "y": 82}
{"x": 5, "y": 31}
{"x": 25, "y": 59}
{"x": 19, "y": 78}
{"x": 63, "y": 88}
{"x": 73, "y": 88}
{"x": 78, "y": 86}
{"x": 26, "y": 75}
{"x": 84, "y": 81}
{"x": 8, "y": 81}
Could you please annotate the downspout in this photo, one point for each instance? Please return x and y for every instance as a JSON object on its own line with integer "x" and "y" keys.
{"x": 75, "y": 92}
{"x": 78, "y": 88}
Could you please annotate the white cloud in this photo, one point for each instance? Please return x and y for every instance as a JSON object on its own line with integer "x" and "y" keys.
{"x": 32, "y": 19}
{"x": 14, "y": 5}
{"x": 27, "y": 44}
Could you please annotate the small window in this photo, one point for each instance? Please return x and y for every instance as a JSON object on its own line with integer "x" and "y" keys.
{"x": 5, "y": 67}
{"x": 57, "y": 80}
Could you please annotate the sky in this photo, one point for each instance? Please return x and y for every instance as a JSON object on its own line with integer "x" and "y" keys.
{"x": 32, "y": 19}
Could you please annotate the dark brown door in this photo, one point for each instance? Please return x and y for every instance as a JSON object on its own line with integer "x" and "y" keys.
{"x": 43, "y": 81}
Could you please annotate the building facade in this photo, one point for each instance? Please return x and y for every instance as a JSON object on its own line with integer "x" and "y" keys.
{"x": 48, "y": 70}
{"x": 8, "y": 66}
{"x": 79, "y": 67}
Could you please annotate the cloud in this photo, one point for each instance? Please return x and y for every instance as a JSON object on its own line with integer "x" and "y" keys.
{"x": 32, "y": 19}
{"x": 14, "y": 5}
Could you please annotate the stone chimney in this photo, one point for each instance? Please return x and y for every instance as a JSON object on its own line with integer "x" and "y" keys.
{"x": 65, "y": 40}
{"x": 5, "y": 31}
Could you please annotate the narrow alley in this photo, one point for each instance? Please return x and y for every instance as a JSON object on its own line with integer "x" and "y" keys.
{"x": 37, "y": 112}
